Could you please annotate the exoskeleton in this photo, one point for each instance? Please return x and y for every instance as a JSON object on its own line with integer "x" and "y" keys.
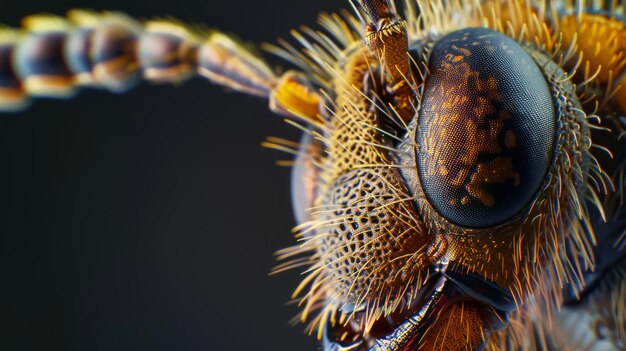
{"x": 458, "y": 185}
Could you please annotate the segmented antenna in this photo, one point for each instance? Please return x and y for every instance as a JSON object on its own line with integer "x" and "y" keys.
{"x": 53, "y": 56}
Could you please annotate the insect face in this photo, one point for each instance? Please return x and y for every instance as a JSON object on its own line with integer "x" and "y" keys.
{"x": 442, "y": 218}
{"x": 445, "y": 183}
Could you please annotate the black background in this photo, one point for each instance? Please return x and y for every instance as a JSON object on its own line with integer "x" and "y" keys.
{"x": 148, "y": 221}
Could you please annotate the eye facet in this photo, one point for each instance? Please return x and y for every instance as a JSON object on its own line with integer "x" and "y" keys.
{"x": 486, "y": 128}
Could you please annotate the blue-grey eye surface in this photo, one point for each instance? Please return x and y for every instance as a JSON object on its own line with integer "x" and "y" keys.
{"x": 486, "y": 129}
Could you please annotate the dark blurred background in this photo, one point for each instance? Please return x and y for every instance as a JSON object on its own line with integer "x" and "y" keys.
{"x": 148, "y": 221}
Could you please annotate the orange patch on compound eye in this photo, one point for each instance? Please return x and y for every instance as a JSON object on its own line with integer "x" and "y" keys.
{"x": 601, "y": 40}
{"x": 497, "y": 171}
{"x": 478, "y": 140}
{"x": 510, "y": 140}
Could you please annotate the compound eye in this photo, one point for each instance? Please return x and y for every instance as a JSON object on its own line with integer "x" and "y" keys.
{"x": 486, "y": 129}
